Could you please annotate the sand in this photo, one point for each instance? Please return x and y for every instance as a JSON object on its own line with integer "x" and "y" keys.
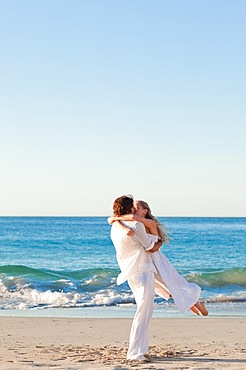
{"x": 75, "y": 344}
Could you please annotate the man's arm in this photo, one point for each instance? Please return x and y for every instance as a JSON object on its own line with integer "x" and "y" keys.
{"x": 145, "y": 240}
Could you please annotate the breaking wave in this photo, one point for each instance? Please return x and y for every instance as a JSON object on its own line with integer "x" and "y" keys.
{"x": 23, "y": 287}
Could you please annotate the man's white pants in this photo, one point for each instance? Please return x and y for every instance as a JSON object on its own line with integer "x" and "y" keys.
{"x": 143, "y": 288}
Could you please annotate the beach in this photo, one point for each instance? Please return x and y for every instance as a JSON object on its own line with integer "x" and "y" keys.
{"x": 100, "y": 343}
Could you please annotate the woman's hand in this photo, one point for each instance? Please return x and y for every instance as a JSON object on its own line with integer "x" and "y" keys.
{"x": 130, "y": 232}
{"x": 111, "y": 220}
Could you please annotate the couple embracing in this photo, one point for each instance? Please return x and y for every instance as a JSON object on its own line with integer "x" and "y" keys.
{"x": 137, "y": 236}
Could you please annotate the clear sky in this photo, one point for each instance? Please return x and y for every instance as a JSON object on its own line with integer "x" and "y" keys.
{"x": 101, "y": 98}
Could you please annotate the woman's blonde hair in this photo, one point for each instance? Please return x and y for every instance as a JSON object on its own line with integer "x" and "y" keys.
{"x": 162, "y": 229}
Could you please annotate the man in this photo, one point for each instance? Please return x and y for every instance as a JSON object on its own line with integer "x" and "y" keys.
{"x": 135, "y": 262}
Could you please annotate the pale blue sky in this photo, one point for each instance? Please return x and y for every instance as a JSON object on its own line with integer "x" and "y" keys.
{"x": 101, "y": 98}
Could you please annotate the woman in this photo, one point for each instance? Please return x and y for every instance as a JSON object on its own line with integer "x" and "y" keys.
{"x": 184, "y": 294}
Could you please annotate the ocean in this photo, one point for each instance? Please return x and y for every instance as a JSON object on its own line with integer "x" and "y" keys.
{"x": 66, "y": 266}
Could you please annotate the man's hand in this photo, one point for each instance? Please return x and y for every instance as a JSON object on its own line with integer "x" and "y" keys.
{"x": 156, "y": 247}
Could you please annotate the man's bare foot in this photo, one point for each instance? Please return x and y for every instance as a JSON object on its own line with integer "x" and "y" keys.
{"x": 147, "y": 358}
{"x": 146, "y": 355}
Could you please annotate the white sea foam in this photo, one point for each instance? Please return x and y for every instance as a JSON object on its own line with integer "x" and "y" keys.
{"x": 111, "y": 298}
{"x": 24, "y": 297}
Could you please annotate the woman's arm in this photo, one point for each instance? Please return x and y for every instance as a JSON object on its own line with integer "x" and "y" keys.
{"x": 128, "y": 217}
{"x": 150, "y": 224}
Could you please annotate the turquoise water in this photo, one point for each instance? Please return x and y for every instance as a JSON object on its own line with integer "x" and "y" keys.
{"x": 67, "y": 263}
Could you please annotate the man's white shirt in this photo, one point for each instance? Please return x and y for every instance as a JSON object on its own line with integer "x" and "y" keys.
{"x": 131, "y": 251}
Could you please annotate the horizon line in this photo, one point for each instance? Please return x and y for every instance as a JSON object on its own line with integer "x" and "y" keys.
{"x": 100, "y": 216}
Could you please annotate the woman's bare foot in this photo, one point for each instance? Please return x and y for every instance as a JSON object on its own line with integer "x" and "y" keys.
{"x": 195, "y": 310}
{"x": 200, "y": 307}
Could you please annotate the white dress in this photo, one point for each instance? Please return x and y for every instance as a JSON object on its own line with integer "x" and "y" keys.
{"x": 184, "y": 294}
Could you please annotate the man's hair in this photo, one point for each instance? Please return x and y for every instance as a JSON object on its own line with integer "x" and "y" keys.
{"x": 123, "y": 205}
